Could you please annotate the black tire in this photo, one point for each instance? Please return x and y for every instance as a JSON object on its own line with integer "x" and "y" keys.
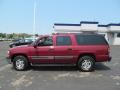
{"x": 20, "y": 63}
{"x": 86, "y": 63}
{"x": 10, "y": 46}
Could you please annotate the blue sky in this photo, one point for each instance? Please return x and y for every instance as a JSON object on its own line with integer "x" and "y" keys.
{"x": 17, "y": 15}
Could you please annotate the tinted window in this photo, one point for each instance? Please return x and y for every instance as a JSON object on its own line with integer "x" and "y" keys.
{"x": 90, "y": 39}
{"x": 63, "y": 40}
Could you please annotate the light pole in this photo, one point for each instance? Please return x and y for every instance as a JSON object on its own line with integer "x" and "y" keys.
{"x": 34, "y": 18}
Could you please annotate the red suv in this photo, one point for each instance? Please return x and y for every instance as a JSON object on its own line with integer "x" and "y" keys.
{"x": 82, "y": 50}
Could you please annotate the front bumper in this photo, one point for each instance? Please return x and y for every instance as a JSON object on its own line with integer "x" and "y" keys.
{"x": 8, "y": 59}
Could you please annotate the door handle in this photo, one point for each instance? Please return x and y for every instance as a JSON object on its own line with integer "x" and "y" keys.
{"x": 51, "y": 48}
{"x": 69, "y": 49}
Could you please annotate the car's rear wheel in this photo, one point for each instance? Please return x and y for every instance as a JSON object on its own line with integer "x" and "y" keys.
{"x": 20, "y": 63}
{"x": 86, "y": 63}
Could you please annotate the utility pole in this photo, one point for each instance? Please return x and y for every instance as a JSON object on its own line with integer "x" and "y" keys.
{"x": 34, "y": 18}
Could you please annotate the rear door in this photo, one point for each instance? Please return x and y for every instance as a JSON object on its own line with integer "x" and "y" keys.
{"x": 63, "y": 49}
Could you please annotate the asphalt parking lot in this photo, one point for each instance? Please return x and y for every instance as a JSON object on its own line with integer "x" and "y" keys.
{"x": 105, "y": 77}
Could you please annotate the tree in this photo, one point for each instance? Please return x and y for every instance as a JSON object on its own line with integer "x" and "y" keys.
{"x": 2, "y": 35}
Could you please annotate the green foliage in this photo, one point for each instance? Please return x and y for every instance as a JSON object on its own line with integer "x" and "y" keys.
{"x": 14, "y": 35}
{"x": 2, "y": 35}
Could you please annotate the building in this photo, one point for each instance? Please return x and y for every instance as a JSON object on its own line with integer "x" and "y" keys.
{"x": 110, "y": 31}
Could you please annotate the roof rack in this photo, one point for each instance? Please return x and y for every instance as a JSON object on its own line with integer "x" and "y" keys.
{"x": 64, "y": 33}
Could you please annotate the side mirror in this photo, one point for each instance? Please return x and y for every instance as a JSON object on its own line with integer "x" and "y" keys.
{"x": 35, "y": 45}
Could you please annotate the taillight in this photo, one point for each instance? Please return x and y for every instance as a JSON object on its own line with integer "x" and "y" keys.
{"x": 109, "y": 50}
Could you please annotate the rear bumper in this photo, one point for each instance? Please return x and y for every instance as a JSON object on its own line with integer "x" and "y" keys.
{"x": 103, "y": 58}
{"x": 8, "y": 59}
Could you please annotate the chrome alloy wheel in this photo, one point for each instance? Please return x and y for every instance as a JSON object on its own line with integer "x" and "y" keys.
{"x": 19, "y": 64}
{"x": 86, "y": 64}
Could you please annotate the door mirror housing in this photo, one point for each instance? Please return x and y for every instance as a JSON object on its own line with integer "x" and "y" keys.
{"x": 35, "y": 45}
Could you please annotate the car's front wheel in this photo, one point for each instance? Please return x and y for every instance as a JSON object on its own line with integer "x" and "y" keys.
{"x": 20, "y": 63}
{"x": 86, "y": 63}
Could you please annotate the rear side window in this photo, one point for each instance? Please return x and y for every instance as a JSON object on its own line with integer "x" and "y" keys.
{"x": 90, "y": 40}
{"x": 63, "y": 40}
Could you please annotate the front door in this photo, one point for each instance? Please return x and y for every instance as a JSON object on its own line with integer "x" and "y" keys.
{"x": 43, "y": 53}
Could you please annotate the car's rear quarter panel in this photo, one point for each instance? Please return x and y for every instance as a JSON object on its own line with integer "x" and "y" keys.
{"x": 99, "y": 51}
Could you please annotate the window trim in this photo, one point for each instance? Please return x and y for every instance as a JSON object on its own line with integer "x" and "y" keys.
{"x": 105, "y": 42}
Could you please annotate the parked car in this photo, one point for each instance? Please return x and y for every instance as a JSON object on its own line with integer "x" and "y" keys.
{"x": 19, "y": 42}
{"x": 81, "y": 50}
{"x": 15, "y": 40}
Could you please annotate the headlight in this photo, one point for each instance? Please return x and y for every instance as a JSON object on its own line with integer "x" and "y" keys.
{"x": 8, "y": 52}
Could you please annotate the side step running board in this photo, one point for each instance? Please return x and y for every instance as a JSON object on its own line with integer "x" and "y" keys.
{"x": 53, "y": 64}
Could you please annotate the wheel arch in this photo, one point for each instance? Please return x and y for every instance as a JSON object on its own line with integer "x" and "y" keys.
{"x": 86, "y": 54}
{"x": 17, "y": 55}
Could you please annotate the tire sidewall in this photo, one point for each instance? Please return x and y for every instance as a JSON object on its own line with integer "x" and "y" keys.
{"x": 81, "y": 60}
{"x": 24, "y": 59}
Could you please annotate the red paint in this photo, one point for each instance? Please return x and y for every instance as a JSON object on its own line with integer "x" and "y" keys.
{"x": 101, "y": 52}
